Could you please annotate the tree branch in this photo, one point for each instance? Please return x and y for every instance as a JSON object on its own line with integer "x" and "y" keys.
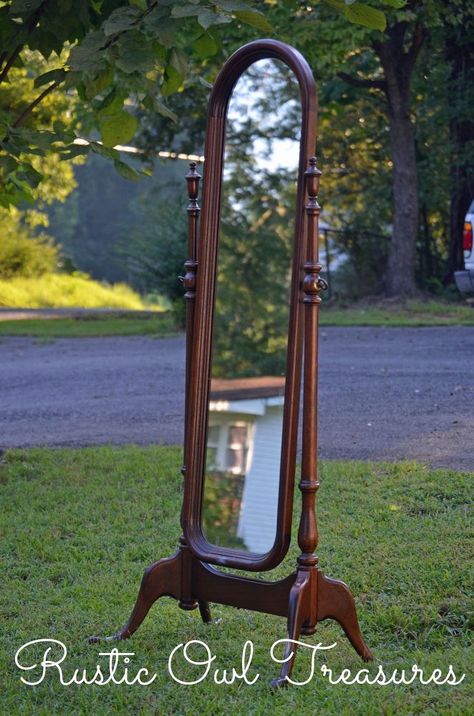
{"x": 31, "y": 26}
{"x": 419, "y": 36}
{"x": 359, "y": 82}
{"x": 10, "y": 62}
{"x": 33, "y": 104}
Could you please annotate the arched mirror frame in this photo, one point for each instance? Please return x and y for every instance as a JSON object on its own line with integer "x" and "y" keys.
{"x": 200, "y": 353}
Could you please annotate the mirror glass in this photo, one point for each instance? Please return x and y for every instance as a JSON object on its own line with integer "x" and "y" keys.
{"x": 244, "y": 431}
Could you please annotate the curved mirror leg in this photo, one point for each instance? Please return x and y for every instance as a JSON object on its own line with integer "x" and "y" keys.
{"x": 160, "y": 579}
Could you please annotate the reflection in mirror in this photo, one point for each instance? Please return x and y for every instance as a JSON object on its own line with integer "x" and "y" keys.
{"x": 251, "y": 316}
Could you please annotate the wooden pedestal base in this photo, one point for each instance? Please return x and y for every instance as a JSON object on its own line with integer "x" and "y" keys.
{"x": 304, "y": 597}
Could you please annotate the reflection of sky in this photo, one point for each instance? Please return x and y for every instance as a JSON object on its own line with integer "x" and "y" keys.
{"x": 245, "y": 103}
{"x": 272, "y": 152}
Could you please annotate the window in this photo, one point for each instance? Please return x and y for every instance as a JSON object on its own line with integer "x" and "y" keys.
{"x": 228, "y": 447}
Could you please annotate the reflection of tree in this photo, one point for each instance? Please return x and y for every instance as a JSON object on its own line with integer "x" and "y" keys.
{"x": 222, "y": 500}
{"x": 255, "y": 251}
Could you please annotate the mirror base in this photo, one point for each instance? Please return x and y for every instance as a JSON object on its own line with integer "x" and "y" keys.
{"x": 304, "y": 597}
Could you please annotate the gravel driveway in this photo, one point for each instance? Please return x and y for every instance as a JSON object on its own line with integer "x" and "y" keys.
{"x": 395, "y": 393}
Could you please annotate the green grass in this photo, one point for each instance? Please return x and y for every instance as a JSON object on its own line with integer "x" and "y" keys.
{"x": 158, "y": 324}
{"x": 126, "y": 324}
{"x": 411, "y": 313}
{"x": 79, "y": 526}
{"x": 65, "y": 291}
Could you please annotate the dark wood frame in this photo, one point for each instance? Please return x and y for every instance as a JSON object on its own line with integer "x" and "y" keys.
{"x": 200, "y": 366}
{"x": 306, "y": 596}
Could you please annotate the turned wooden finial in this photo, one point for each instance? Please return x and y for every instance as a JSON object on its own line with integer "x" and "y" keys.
{"x": 189, "y": 279}
{"x": 192, "y": 178}
{"x": 312, "y": 175}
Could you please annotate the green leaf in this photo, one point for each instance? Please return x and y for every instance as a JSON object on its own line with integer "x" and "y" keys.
{"x": 63, "y": 132}
{"x": 179, "y": 61}
{"x": 185, "y": 10}
{"x": 338, "y": 5}
{"x": 397, "y": 4}
{"x": 112, "y": 103}
{"x": 126, "y": 170}
{"x": 8, "y": 164}
{"x": 164, "y": 110}
{"x": 206, "y": 18}
{"x": 23, "y": 193}
{"x": 206, "y": 46}
{"x": 11, "y": 32}
{"x": 204, "y": 83}
{"x": 29, "y": 175}
{"x": 123, "y": 18}
{"x": 74, "y": 150}
{"x": 103, "y": 151}
{"x": 117, "y": 128}
{"x": 22, "y": 7}
{"x": 97, "y": 84}
{"x": 43, "y": 139}
{"x": 51, "y": 76}
{"x": 254, "y": 18}
{"x": 231, "y": 5}
{"x": 88, "y": 55}
{"x": 135, "y": 53}
{"x": 45, "y": 42}
{"x": 164, "y": 29}
{"x": 172, "y": 82}
{"x": 365, "y": 15}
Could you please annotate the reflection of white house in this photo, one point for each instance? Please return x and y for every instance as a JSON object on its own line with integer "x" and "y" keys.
{"x": 244, "y": 438}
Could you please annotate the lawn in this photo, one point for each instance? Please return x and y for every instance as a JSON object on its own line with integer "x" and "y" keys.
{"x": 388, "y": 313}
{"x": 79, "y": 526}
{"x": 120, "y": 324}
{"x": 126, "y": 323}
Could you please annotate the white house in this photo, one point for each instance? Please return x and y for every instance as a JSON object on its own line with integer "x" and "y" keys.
{"x": 244, "y": 439}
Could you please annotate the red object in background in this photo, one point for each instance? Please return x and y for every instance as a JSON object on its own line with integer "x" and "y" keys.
{"x": 467, "y": 236}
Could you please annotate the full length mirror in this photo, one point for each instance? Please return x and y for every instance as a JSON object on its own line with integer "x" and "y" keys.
{"x": 248, "y": 369}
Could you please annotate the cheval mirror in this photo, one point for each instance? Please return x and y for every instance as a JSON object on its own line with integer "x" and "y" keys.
{"x": 252, "y": 288}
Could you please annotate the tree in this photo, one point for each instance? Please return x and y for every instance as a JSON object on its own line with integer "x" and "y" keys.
{"x": 26, "y": 249}
{"x": 154, "y": 245}
{"x": 118, "y": 57}
{"x": 383, "y": 65}
{"x": 21, "y": 252}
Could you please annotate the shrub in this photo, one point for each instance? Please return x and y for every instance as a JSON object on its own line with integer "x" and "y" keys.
{"x": 65, "y": 291}
{"x": 23, "y": 252}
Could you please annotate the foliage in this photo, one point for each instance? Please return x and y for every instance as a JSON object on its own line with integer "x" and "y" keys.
{"x": 81, "y": 525}
{"x": 222, "y": 503}
{"x": 103, "y": 224}
{"x": 25, "y": 246}
{"x": 30, "y": 168}
{"x": 22, "y": 252}
{"x": 117, "y": 57}
{"x": 91, "y": 222}
{"x": 154, "y": 244}
{"x": 355, "y": 149}
{"x": 56, "y": 290}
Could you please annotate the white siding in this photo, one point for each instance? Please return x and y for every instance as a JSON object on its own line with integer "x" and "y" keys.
{"x": 260, "y": 497}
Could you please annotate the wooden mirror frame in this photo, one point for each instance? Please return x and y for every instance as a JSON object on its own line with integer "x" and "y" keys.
{"x": 200, "y": 320}
{"x": 306, "y": 596}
